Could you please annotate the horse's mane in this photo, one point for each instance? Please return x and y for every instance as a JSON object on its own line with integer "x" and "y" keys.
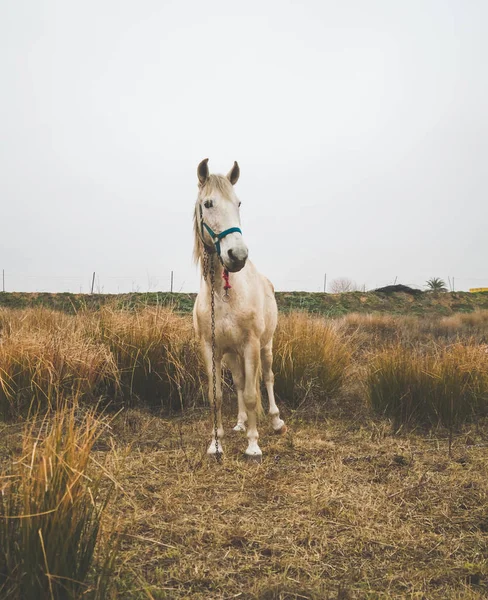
{"x": 214, "y": 184}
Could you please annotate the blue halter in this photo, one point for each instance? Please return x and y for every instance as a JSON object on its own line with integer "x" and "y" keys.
{"x": 216, "y": 237}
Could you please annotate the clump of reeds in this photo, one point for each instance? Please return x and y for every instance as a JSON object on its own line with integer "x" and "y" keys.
{"x": 155, "y": 353}
{"x": 148, "y": 354}
{"x": 34, "y": 319}
{"x": 51, "y": 508}
{"x": 311, "y": 358}
{"x": 39, "y": 365}
{"x": 444, "y": 385}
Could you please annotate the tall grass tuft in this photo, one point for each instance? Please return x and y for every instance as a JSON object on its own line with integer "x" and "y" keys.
{"x": 311, "y": 358}
{"x": 37, "y": 366}
{"x": 155, "y": 353}
{"x": 147, "y": 354}
{"x": 447, "y": 385}
{"x": 51, "y": 507}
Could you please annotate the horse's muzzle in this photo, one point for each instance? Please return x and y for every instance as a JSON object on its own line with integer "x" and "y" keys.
{"x": 236, "y": 259}
{"x": 235, "y": 265}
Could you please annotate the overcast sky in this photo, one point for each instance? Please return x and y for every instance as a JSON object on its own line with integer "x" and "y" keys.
{"x": 360, "y": 126}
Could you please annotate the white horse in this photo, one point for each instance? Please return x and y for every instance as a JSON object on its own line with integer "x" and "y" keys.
{"x": 245, "y": 318}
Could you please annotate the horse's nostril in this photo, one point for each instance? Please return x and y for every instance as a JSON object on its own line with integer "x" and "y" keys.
{"x": 237, "y": 255}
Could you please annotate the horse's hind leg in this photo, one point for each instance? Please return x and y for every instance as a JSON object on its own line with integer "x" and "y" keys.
{"x": 252, "y": 398}
{"x": 235, "y": 365}
{"x": 215, "y": 403}
{"x": 268, "y": 376}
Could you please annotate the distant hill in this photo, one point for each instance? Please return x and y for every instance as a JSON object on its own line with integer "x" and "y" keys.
{"x": 423, "y": 303}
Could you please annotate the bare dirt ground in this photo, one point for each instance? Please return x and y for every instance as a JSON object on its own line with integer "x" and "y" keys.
{"x": 339, "y": 508}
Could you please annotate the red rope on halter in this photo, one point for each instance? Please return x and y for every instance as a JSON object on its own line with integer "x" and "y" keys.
{"x": 225, "y": 277}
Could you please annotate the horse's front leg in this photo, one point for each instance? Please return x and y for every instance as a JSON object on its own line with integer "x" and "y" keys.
{"x": 251, "y": 396}
{"x": 215, "y": 403}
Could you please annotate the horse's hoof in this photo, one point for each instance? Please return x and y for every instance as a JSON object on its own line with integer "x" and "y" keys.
{"x": 282, "y": 430}
{"x": 239, "y": 427}
{"x": 215, "y": 451}
{"x": 254, "y": 458}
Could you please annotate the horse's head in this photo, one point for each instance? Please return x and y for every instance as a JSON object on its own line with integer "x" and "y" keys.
{"x": 217, "y": 216}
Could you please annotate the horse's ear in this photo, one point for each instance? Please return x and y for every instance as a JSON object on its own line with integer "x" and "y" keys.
{"x": 233, "y": 174}
{"x": 202, "y": 171}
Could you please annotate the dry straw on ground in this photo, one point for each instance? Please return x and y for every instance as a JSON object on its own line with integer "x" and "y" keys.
{"x": 342, "y": 510}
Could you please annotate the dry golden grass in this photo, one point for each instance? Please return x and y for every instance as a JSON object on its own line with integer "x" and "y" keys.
{"x": 51, "y": 509}
{"x": 369, "y": 330}
{"x": 148, "y": 355}
{"x": 155, "y": 353}
{"x": 310, "y": 358}
{"x": 475, "y": 323}
{"x": 341, "y": 507}
{"x": 37, "y": 366}
{"x": 446, "y": 385}
{"x": 379, "y": 324}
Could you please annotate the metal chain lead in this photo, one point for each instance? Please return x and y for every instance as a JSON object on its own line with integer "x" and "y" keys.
{"x": 205, "y": 264}
{"x": 211, "y": 264}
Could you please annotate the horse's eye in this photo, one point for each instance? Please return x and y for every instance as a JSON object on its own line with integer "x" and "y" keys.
{"x": 240, "y": 203}
{"x": 208, "y": 204}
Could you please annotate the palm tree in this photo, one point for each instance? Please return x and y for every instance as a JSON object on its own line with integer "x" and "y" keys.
{"x": 436, "y": 284}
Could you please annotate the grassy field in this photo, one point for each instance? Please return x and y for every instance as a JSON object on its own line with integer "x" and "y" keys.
{"x": 378, "y": 490}
{"x": 330, "y": 305}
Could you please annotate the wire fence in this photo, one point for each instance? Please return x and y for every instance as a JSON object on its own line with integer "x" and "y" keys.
{"x": 99, "y": 283}
{"x": 188, "y": 282}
